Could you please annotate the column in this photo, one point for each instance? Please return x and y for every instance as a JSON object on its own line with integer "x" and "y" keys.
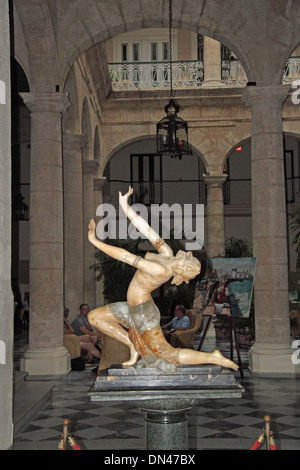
{"x": 215, "y": 215}
{"x": 272, "y": 352}
{"x": 46, "y": 353}
{"x": 6, "y": 297}
{"x": 215, "y": 231}
{"x": 73, "y": 223}
{"x": 89, "y": 171}
{"x": 212, "y": 63}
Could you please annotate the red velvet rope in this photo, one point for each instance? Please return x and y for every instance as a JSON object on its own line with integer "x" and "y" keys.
{"x": 255, "y": 445}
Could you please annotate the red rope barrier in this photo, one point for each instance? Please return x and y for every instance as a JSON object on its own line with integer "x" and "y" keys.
{"x": 272, "y": 441}
{"x": 73, "y": 443}
{"x": 258, "y": 442}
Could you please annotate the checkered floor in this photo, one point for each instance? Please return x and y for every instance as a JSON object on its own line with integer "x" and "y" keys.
{"x": 231, "y": 424}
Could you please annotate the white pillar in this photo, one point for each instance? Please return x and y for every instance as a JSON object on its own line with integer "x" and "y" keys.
{"x": 212, "y": 63}
{"x": 272, "y": 352}
{"x": 215, "y": 215}
{"x": 215, "y": 246}
{"x": 46, "y": 353}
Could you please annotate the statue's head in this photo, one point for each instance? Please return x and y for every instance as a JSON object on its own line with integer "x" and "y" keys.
{"x": 185, "y": 267}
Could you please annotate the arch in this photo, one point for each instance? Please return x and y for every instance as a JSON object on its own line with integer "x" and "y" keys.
{"x": 238, "y": 143}
{"x": 243, "y": 28}
{"x": 154, "y": 179}
{"x": 208, "y": 18}
{"x": 39, "y": 29}
{"x": 230, "y": 42}
{"x": 142, "y": 138}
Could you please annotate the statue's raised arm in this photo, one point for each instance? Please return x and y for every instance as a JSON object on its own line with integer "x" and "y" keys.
{"x": 142, "y": 226}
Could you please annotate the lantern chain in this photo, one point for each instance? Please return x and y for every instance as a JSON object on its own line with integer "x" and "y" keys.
{"x": 170, "y": 48}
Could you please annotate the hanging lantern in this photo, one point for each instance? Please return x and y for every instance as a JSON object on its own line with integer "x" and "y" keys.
{"x": 172, "y": 131}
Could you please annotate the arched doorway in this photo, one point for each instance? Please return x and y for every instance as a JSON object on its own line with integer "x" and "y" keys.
{"x": 155, "y": 179}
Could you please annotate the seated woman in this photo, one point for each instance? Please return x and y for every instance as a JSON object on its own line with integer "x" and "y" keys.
{"x": 140, "y": 314}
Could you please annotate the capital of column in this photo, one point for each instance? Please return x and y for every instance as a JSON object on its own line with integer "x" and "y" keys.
{"x": 214, "y": 180}
{"x": 99, "y": 183}
{"x": 273, "y": 95}
{"x": 46, "y": 102}
{"x": 90, "y": 167}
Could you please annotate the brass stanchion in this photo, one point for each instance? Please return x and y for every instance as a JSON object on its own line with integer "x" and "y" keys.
{"x": 267, "y": 423}
{"x": 66, "y": 436}
{"x": 270, "y": 441}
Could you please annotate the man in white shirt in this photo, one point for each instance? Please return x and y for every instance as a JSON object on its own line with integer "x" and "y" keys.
{"x": 180, "y": 322}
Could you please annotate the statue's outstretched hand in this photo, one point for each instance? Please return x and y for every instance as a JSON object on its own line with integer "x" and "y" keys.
{"x": 125, "y": 196}
{"x": 92, "y": 230}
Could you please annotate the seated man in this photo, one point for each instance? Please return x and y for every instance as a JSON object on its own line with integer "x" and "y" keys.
{"x": 82, "y": 327}
{"x": 179, "y": 322}
{"x": 74, "y": 344}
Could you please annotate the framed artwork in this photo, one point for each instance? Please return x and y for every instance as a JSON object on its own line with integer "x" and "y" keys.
{"x": 227, "y": 288}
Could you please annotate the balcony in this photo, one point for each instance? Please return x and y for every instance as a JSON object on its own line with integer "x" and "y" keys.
{"x": 131, "y": 76}
{"x": 155, "y": 75}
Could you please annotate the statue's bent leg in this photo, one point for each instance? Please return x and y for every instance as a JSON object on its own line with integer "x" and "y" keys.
{"x": 105, "y": 320}
{"x": 157, "y": 343}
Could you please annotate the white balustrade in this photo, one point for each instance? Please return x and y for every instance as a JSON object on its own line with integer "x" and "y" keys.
{"x": 233, "y": 73}
{"x": 292, "y": 70}
{"x": 189, "y": 74}
{"x": 149, "y": 75}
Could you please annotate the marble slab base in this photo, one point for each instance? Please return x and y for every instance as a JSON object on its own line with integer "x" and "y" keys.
{"x": 164, "y": 398}
{"x": 199, "y": 381}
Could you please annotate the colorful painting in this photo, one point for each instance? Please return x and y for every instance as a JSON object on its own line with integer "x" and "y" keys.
{"x": 227, "y": 288}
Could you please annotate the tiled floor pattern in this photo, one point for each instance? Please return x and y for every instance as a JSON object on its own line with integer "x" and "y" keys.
{"x": 213, "y": 425}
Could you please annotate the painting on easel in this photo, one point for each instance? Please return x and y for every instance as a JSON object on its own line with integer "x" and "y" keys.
{"x": 227, "y": 287}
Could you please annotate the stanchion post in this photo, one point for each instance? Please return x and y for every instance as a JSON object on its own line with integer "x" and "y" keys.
{"x": 66, "y": 423}
{"x": 267, "y": 420}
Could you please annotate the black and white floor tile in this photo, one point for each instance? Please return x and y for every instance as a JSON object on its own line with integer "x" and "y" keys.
{"x": 213, "y": 425}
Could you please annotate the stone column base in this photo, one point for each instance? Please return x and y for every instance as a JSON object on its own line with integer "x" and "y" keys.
{"x": 272, "y": 360}
{"x": 212, "y": 83}
{"x": 47, "y": 361}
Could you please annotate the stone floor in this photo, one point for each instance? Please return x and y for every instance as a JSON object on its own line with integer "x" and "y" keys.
{"x": 213, "y": 425}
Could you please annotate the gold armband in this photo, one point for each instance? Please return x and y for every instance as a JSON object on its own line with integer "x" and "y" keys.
{"x": 137, "y": 259}
{"x": 157, "y": 244}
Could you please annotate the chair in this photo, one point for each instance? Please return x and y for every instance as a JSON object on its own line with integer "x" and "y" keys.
{"x": 185, "y": 338}
{"x": 113, "y": 352}
{"x": 72, "y": 344}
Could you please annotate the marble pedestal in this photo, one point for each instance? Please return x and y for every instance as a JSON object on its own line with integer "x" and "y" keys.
{"x": 165, "y": 398}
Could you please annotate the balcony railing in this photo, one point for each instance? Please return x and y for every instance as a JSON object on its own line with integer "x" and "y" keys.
{"x": 188, "y": 74}
{"x": 233, "y": 73}
{"x": 149, "y": 75}
{"x": 292, "y": 70}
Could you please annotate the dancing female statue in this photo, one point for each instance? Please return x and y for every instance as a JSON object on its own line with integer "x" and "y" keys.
{"x": 139, "y": 315}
